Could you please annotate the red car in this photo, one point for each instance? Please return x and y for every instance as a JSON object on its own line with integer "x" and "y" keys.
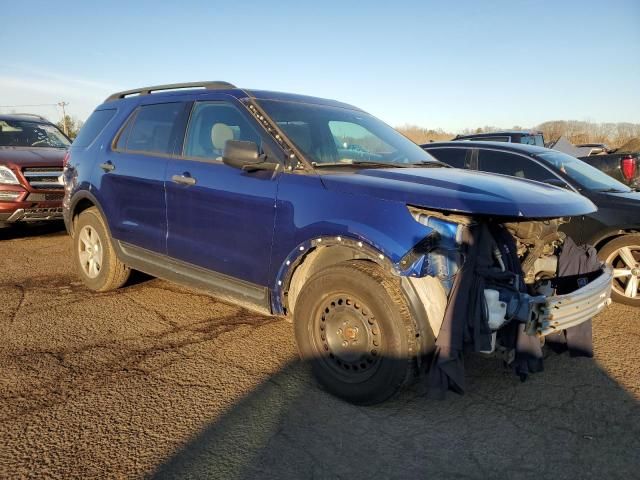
{"x": 32, "y": 151}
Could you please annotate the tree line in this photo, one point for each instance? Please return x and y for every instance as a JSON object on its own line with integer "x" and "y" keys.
{"x": 577, "y": 132}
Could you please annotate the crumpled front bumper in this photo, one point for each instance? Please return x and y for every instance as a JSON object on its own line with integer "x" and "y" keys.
{"x": 559, "y": 312}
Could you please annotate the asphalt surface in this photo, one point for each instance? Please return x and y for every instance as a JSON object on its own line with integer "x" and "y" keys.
{"x": 156, "y": 380}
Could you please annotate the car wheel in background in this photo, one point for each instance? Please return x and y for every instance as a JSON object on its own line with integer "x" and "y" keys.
{"x": 94, "y": 256}
{"x": 623, "y": 254}
{"x": 353, "y": 325}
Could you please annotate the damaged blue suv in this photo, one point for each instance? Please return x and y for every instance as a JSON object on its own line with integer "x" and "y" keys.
{"x": 388, "y": 262}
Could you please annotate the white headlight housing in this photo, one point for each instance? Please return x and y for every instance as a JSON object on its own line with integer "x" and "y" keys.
{"x": 7, "y": 177}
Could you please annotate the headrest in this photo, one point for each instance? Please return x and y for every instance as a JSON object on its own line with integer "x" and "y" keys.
{"x": 220, "y": 133}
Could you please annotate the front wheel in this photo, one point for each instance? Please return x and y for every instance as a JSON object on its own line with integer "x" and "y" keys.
{"x": 353, "y": 325}
{"x": 623, "y": 254}
{"x": 94, "y": 256}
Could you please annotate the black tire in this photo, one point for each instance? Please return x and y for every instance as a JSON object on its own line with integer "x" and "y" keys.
{"x": 112, "y": 273}
{"x": 611, "y": 252}
{"x": 353, "y": 325}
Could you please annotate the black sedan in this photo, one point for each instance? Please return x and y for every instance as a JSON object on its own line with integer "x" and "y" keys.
{"x": 614, "y": 229}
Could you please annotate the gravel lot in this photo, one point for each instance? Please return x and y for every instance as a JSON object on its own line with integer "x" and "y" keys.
{"x": 157, "y": 380}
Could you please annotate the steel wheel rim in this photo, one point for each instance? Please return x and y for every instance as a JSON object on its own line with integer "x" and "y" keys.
{"x": 90, "y": 251}
{"x": 347, "y": 338}
{"x": 626, "y": 271}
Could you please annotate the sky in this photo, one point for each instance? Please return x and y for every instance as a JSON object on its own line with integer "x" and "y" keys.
{"x": 449, "y": 65}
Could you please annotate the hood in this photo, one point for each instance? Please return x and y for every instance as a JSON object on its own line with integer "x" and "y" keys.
{"x": 32, "y": 156}
{"x": 463, "y": 191}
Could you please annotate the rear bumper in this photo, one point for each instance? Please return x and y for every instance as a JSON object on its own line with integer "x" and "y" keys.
{"x": 560, "y": 312}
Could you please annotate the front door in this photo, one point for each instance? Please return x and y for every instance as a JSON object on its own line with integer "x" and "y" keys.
{"x": 220, "y": 218}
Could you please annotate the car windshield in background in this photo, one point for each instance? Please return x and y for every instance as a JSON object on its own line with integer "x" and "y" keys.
{"x": 333, "y": 136}
{"x": 532, "y": 140}
{"x": 584, "y": 174}
{"x": 23, "y": 133}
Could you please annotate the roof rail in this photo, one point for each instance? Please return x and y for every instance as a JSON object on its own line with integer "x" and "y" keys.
{"x": 170, "y": 86}
{"x": 28, "y": 115}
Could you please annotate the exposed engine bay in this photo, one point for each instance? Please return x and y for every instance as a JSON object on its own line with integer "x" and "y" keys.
{"x": 517, "y": 264}
{"x": 506, "y": 286}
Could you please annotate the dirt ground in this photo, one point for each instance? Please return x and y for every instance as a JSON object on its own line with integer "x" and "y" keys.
{"x": 156, "y": 380}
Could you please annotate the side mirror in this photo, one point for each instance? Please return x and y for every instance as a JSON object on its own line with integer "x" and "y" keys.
{"x": 245, "y": 156}
{"x": 556, "y": 182}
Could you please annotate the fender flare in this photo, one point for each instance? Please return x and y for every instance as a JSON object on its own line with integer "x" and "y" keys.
{"x": 76, "y": 198}
{"x": 361, "y": 249}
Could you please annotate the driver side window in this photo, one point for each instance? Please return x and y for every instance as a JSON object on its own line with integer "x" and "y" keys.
{"x": 212, "y": 124}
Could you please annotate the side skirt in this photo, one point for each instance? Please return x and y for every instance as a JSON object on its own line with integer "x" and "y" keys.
{"x": 246, "y": 294}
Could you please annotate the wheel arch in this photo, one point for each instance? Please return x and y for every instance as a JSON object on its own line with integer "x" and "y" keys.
{"x": 310, "y": 257}
{"x": 603, "y": 238}
{"x": 81, "y": 201}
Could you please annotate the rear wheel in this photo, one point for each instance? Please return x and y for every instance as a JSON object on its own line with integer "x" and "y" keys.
{"x": 353, "y": 325}
{"x": 94, "y": 256}
{"x": 623, "y": 254}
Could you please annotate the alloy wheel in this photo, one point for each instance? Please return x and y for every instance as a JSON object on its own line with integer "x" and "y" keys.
{"x": 90, "y": 251}
{"x": 626, "y": 270}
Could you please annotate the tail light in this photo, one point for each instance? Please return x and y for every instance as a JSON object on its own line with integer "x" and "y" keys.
{"x": 65, "y": 160}
{"x": 629, "y": 167}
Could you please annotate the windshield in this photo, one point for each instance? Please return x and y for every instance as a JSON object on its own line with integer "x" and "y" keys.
{"x": 332, "y": 135}
{"x": 584, "y": 174}
{"x": 26, "y": 133}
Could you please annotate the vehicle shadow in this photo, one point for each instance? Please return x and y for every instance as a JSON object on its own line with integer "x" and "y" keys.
{"x": 15, "y": 232}
{"x": 572, "y": 421}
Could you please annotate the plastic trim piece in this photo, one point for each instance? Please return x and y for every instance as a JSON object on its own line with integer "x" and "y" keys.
{"x": 211, "y": 85}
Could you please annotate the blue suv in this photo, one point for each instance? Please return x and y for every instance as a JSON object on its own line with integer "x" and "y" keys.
{"x": 313, "y": 209}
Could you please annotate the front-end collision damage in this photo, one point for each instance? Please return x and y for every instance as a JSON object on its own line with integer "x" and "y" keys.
{"x": 525, "y": 293}
{"x": 475, "y": 283}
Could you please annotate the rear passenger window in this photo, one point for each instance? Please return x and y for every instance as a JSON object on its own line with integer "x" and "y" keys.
{"x": 513, "y": 165}
{"x": 93, "y": 126}
{"x": 212, "y": 124}
{"x": 152, "y": 130}
{"x": 451, "y": 156}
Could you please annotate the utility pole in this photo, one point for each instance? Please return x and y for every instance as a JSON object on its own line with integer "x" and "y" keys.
{"x": 64, "y": 117}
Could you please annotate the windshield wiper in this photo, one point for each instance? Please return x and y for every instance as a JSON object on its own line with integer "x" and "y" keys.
{"x": 362, "y": 163}
{"x": 430, "y": 164}
{"x": 610, "y": 190}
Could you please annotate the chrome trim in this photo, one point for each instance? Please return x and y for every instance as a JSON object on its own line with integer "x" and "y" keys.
{"x": 52, "y": 173}
{"x": 35, "y": 215}
{"x": 15, "y": 216}
{"x": 45, "y": 185}
{"x": 560, "y": 312}
{"x": 43, "y": 177}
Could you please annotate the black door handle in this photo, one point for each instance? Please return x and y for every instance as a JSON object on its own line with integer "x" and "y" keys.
{"x": 184, "y": 179}
{"x": 107, "y": 166}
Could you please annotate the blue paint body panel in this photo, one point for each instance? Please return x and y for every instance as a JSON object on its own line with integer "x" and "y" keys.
{"x": 248, "y": 225}
{"x": 464, "y": 191}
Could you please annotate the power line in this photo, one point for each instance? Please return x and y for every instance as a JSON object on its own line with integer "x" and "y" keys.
{"x": 23, "y": 106}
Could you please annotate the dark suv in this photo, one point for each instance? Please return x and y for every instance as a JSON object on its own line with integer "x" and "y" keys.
{"x": 309, "y": 208}
{"x": 525, "y": 137}
{"x": 32, "y": 151}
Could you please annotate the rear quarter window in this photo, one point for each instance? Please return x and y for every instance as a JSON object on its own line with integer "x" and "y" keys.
{"x": 153, "y": 129}
{"x": 93, "y": 127}
{"x": 451, "y": 156}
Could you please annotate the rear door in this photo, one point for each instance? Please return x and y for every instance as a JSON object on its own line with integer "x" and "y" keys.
{"x": 131, "y": 175}
{"x": 221, "y": 218}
